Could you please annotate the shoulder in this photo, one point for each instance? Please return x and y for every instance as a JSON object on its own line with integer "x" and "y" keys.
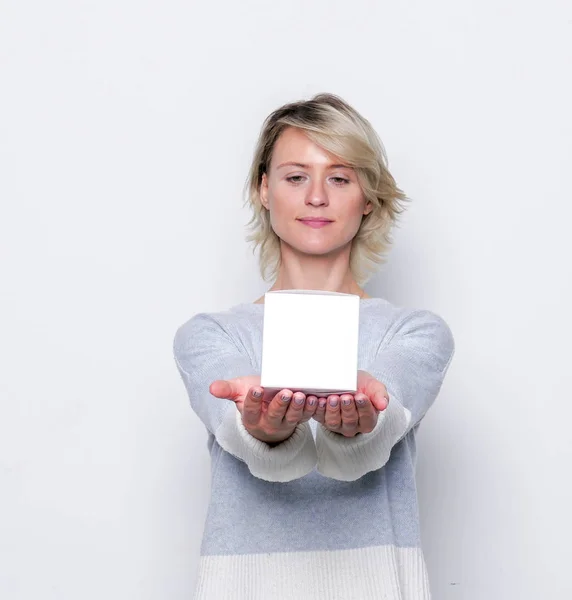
{"x": 421, "y": 323}
{"x": 201, "y": 322}
{"x": 213, "y": 327}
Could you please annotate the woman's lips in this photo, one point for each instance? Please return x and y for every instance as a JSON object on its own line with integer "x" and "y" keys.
{"x": 315, "y": 224}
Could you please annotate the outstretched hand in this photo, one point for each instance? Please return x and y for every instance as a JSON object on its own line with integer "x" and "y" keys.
{"x": 350, "y": 414}
{"x": 268, "y": 416}
{"x": 272, "y": 417}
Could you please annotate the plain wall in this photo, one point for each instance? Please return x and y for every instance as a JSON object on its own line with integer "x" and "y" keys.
{"x": 127, "y": 129}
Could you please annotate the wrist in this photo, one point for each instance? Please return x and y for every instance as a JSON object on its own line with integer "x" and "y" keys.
{"x": 271, "y": 440}
{"x": 337, "y": 433}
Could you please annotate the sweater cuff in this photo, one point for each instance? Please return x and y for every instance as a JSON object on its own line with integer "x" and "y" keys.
{"x": 291, "y": 459}
{"x": 349, "y": 458}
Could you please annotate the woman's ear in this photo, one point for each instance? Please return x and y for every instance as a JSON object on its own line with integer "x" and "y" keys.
{"x": 368, "y": 208}
{"x": 263, "y": 191}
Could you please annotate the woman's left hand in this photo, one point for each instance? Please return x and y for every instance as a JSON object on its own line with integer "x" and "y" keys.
{"x": 350, "y": 414}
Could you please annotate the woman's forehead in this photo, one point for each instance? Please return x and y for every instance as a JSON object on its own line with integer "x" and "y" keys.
{"x": 294, "y": 148}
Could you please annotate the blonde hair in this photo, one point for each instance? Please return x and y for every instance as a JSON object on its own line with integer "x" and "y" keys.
{"x": 338, "y": 128}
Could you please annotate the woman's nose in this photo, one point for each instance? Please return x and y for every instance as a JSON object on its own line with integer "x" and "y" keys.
{"x": 317, "y": 194}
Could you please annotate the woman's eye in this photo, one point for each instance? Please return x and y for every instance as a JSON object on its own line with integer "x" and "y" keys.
{"x": 294, "y": 178}
{"x": 340, "y": 180}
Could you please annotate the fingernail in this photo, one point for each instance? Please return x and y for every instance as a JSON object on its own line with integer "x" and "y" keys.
{"x": 333, "y": 401}
{"x": 298, "y": 400}
{"x": 346, "y": 401}
{"x": 312, "y": 401}
{"x": 256, "y": 394}
{"x": 286, "y": 397}
{"x": 322, "y": 403}
{"x": 360, "y": 401}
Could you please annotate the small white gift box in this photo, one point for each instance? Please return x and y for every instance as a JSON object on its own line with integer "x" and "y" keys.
{"x": 310, "y": 341}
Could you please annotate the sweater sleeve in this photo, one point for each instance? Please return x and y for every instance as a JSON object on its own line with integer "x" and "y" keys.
{"x": 411, "y": 362}
{"x": 204, "y": 352}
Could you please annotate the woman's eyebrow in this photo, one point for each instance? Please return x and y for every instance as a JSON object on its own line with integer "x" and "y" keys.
{"x": 303, "y": 166}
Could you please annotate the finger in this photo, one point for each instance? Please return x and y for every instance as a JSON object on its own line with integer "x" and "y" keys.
{"x": 379, "y": 396}
{"x": 278, "y": 407}
{"x": 222, "y": 388}
{"x": 367, "y": 413}
{"x": 267, "y": 398}
{"x": 252, "y": 406}
{"x": 309, "y": 408}
{"x": 349, "y": 414}
{"x": 296, "y": 409}
{"x": 333, "y": 417}
{"x": 320, "y": 414}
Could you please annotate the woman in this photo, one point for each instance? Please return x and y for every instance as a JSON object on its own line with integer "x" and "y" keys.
{"x": 315, "y": 498}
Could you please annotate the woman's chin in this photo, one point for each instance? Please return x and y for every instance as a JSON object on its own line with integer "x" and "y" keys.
{"x": 320, "y": 249}
{"x": 316, "y": 245}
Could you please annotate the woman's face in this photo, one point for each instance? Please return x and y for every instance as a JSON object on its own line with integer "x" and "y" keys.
{"x": 305, "y": 181}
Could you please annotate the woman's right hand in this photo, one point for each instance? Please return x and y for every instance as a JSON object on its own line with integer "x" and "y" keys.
{"x": 268, "y": 417}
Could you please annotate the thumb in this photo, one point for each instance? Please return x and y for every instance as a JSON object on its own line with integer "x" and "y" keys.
{"x": 222, "y": 388}
{"x": 380, "y": 398}
{"x": 374, "y": 389}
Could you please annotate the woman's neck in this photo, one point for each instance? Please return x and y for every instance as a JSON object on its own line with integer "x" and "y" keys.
{"x": 352, "y": 288}
{"x": 330, "y": 273}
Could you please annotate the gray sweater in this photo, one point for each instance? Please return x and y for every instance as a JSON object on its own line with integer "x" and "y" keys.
{"x": 319, "y": 516}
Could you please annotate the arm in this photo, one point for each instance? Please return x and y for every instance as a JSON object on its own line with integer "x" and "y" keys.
{"x": 411, "y": 362}
{"x": 204, "y": 352}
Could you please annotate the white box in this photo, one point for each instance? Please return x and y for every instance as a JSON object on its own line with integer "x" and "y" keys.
{"x": 310, "y": 341}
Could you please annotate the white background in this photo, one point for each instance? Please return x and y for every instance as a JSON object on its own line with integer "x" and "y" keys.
{"x": 127, "y": 130}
